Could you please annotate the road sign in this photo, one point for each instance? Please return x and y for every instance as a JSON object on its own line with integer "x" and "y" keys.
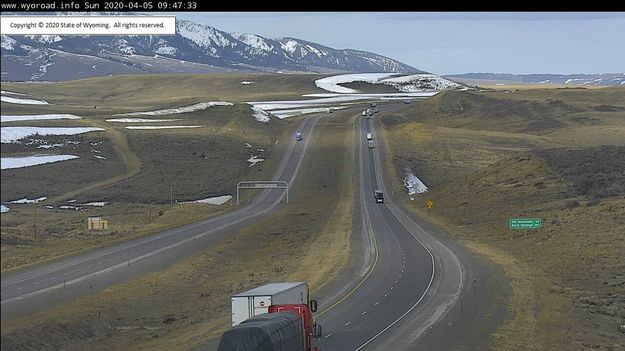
{"x": 429, "y": 204}
{"x": 525, "y": 223}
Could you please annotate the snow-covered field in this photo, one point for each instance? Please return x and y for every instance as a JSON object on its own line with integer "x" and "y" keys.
{"x": 184, "y": 109}
{"x": 19, "y": 162}
{"x": 4, "y": 209}
{"x": 332, "y": 83}
{"x": 253, "y": 160}
{"x": 14, "y": 118}
{"x": 414, "y": 184}
{"x": 27, "y": 201}
{"x": 13, "y": 134}
{"x": 160, "y": 127}
{"x": 13, "y": 100}
{"x": 140, "y": 120}
{"x": 218, "y": 200}
{"x": 411, "y": 83}
{"x": 260, "y": 115}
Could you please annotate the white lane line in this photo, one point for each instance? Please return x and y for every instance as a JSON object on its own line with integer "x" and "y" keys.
{"x": 327, "y": 336}
{"x": 385, "y": 295}
{"x": 375, "y": 304}
{"x": 20, "y": 288}
{"x": 348, "y": 323}
{"x": 364, "y": 312}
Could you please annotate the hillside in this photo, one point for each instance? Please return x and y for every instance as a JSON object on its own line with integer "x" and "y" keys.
{"x": 556, "y": 154}
{"x": 196, "y": 48}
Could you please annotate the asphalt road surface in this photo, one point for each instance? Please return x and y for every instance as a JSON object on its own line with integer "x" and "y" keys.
{"x": 45, "y": 285}
{"x": 410, "y": 276}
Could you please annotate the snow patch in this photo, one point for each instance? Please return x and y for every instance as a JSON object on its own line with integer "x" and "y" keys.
{"x": 67, "y": 207}
{"x": 13, "y": 100}
{"x": 161, "y": 127}
{"x": 254, "y": 160}
{"x": 13, "y": 134}
{"x": 12, "y": 93}
{"x": 4, "y": 209}
{"x": 97, "y": 203}
{"x": 260, "y": 115}
{"x": 295, "y": 112}
{"x": 413, "y": 183}
{"x": 140, "y": 120}
{"x": 166, "y": 50}
{"x": 218, "y": 200}
{"x": 247, "y": 82}
{"x": 184, "y": 109}
{"x": 406, "y": 83}
{"x": 7, "y": 43}
{"x": 19, "y": 162}
{"x": 26, "y": 201}
{"x": 290, "y": 46}
{"x": 14, "y": 118}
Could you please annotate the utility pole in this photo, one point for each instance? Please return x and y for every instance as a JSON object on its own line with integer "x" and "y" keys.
{"x": 171, "y": 197}
{"x": 35, "y": 222}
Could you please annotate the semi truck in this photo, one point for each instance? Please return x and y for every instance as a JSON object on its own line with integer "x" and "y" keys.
{"x": 286, "y": 327}
{"x": 256, "y": 301}
{"x": 369, "y": 136}
{"x": 272, "y": 317}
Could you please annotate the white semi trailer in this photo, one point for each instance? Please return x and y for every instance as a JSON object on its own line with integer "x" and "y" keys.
{"x": 257, "y": 301}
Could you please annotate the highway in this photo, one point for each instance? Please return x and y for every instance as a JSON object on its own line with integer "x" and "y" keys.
{"x": 410, "y": 279}
{"x": 406, "y": 281}
{"x": 45, "y": 285}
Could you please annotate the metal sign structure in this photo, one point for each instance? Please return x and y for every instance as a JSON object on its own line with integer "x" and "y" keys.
{"x": 263, "y": 184}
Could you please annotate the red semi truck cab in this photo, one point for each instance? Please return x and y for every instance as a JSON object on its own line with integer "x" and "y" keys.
{"x": 311, "y": 330}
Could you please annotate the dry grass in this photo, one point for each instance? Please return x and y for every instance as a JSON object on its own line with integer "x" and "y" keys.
{"x": 188, "y": 304}
{"x": 567, "y": 278}
{"x": 141, "y": 166}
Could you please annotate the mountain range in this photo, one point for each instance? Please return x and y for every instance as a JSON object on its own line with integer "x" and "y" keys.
{"x": 196, "y": 48}
{"x": 605, "y": 79}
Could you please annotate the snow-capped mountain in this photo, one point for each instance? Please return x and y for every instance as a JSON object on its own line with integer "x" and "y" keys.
{"x": 570, "y": 79}
{"x": 196, "y": 48}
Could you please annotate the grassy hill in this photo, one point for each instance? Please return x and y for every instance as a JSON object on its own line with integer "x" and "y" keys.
{"x": 143, "y": 170}
{"x": 556, "y": 154}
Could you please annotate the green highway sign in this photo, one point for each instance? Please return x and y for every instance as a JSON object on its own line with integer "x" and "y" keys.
{"x": 525, "y": 223}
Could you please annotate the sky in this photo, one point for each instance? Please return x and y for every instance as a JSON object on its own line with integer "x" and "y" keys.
{"x": 452, "y": 43}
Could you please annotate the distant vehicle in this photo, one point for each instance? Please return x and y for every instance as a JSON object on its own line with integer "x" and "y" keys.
{"x": 298, "y": 136}
{"x": 379, "y": 196}
{"x": 369, "y": 136}
{"x": 370, "y": 144}
{"x": 330, "y": 110}
{"x": 375, "y": 110}
{"x": 364, "y": 113}
{"x": 373, "y": 104}
{"x": 370, "y": 112}
{"x": 406, "y": 101}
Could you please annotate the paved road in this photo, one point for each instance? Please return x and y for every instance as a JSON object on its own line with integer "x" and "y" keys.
{"x": 45, "y": 285}
{"x": 410, "y": 282}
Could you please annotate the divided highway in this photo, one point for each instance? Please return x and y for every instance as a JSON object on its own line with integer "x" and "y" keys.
{"x": 412, "y": 279}
{"x": 45, "y": 285}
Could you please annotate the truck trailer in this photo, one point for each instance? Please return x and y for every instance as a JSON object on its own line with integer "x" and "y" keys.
{"x": 286, "y": 327}
{"x": 257, "y": 301}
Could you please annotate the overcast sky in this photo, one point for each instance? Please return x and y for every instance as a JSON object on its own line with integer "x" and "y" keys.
{"x": 447, "y": 43}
